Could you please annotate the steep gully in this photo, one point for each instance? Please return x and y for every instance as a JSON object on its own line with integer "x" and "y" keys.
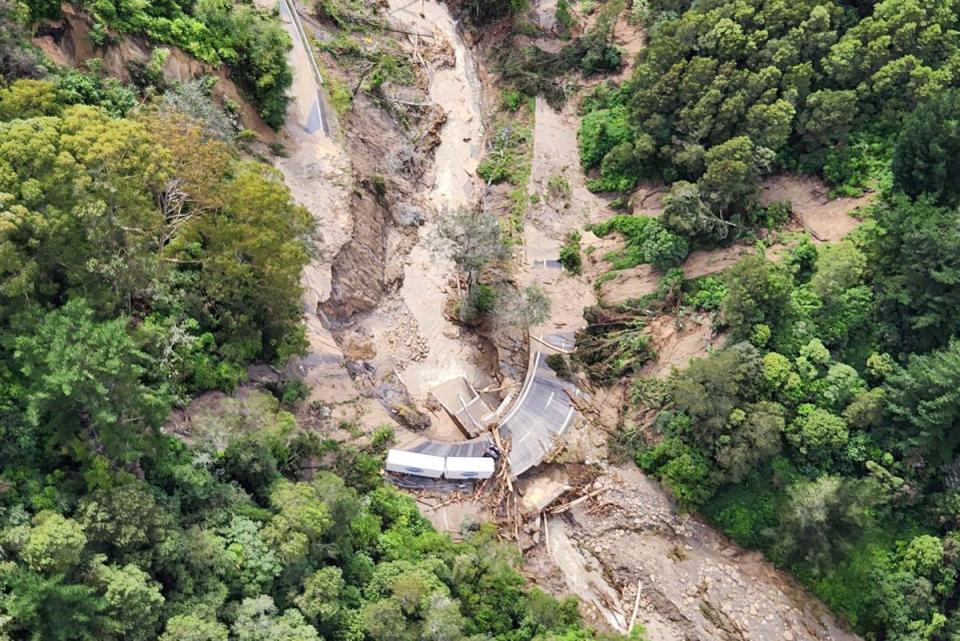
{"x": 631, "y": 547}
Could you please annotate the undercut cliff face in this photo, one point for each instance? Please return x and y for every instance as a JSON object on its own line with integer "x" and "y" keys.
{"x": 357, "y": 271}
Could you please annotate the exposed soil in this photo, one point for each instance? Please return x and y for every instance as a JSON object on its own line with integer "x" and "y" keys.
{"x": 639, "y": 281}
{"x": 72, "y": 47}
{"x": 693, "y": 583}
{"x": 827, "y": 220}
{"x": 374, "y": 302}
{"x": 392, "y": 280}
{"x": 678, "y": 339}
{"x": 555, "y": 155}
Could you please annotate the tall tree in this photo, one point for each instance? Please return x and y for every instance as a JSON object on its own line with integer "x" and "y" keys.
{"x": 919, "y": 272}
{"x": 927, "y": 156}
{"x": 84, "y": 381}
{"x": 821, "y": 519}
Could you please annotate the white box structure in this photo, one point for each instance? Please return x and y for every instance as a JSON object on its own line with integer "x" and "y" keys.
{"x": 415, "y": 463}
{"x": 469, "y": 467}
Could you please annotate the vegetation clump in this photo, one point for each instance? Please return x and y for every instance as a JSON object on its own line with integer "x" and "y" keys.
{"x": 647, "y": 241}
{"x": 614, "y": 344}
{"x": 570, "y": 255}
{"x": 724, "y": 93}
{"x": 250, "y": 41}
{"x": 535, "y": 71}
{"x": 508, "y": 159}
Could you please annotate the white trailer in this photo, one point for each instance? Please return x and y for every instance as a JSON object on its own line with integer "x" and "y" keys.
{"x": 469, "y": 467}
{"x": 415, "y": 463}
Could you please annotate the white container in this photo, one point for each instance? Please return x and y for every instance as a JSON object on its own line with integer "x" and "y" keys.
{"x": 415, "y": 463}
{"x": 469, "y": 467}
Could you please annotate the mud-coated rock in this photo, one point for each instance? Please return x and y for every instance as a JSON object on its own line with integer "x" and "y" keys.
{"x": 358, "y": 348}
{"x": 407, "y": 215}
{"x": 409, "y": 416}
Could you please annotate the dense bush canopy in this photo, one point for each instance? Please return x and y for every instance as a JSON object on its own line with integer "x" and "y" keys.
{"x": 826, "y": 433}
{"x": 727, "y": 91}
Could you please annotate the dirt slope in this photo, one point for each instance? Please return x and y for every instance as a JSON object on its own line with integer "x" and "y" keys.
{"x": 693, "y": 583}
{"x": 68, "y": 44}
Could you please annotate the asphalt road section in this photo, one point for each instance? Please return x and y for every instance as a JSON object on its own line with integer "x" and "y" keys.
{"x": 306, "y": 89}
{"x": 540, "y": 416}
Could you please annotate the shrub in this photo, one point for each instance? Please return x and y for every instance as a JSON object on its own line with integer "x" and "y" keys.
{"x": 707, "y": 293}
{"x": 619, "y": 170}
{"x": 559, "y": 364}
{"x": 508, "y": 159}
{"x": 662, "y": 248}
{"x": 683, "y": 470}
{"x": 564, "y": 16}
{"x": 512, "y": 100}
{"x": 559, "y": 187}
{"x": 570, "y": 253}
{"x": 292, "y": 390}
{"x": 648, "y": 241}
{"x": 482, "y": 12}
{"x": 480, "y": 300}
{"x": 338, "y": 93}
{"x": 600, "y": 131}
{"x": 383, "y": 437}
{"x": 775, "y": 215}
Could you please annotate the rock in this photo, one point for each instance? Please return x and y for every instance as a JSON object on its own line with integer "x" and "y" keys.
{"x": 411, "y": 417}
{"x": 393, "y": 274}
{"x": 357, "y": 272}
{"x": 541, "y": 492}
{"x": 263, "y": 375}
{"x": 407, "y": 215}
{"x": 358, "y": 348}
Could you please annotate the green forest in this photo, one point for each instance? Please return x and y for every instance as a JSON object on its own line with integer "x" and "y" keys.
{"x": 145, "y": 257}
{"x": 825, "y": 431}
{"x": 148, "y": 255}
{"x": 728, "y": 92}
